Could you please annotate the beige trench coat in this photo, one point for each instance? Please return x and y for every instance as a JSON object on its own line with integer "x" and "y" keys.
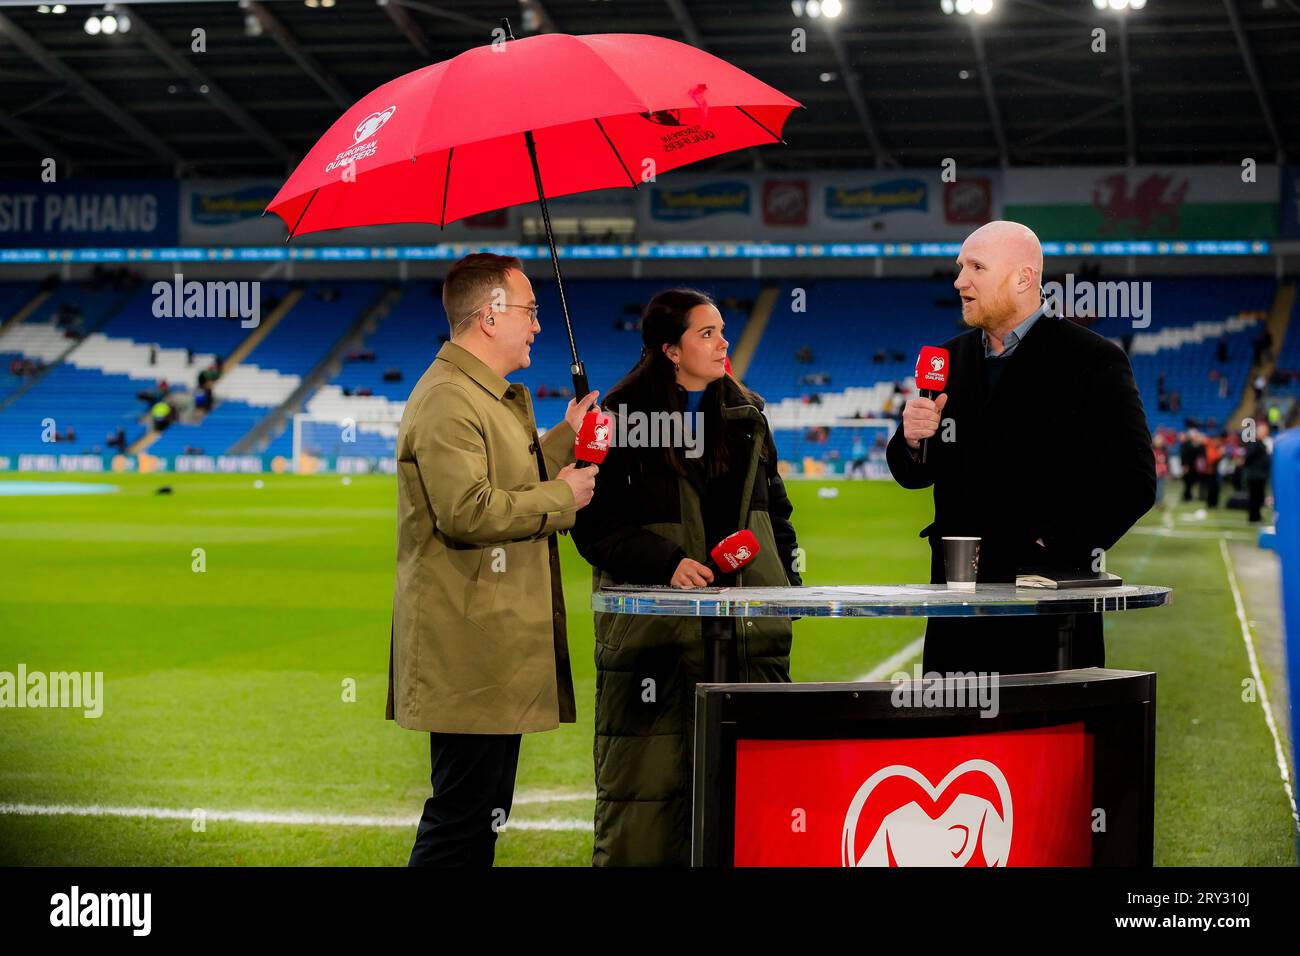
{"x": 478, "y": 639}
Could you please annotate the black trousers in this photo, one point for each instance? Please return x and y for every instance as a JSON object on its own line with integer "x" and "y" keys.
{"x": 1009, "y": 645}
{"x": 473, "y": 778}
{"x": 1255, "y": 494}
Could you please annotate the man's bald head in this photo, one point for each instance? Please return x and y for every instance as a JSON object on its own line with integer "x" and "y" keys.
{"x": 1001, "y": 276}
{"x": 1017, "y": 242}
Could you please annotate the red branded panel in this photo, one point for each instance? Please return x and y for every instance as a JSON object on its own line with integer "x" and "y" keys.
{"x": 1016, "y": 798}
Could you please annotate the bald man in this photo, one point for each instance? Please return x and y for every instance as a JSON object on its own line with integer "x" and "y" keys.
{"x": 1039, "y": 446}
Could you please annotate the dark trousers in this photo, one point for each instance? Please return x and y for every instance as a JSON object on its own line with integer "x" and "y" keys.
{"x": 473, "y": 778}
{"x": 1009, "y": 645}
{"x": 1255, "y": 496}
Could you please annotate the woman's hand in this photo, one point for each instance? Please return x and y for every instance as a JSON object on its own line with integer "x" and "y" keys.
{"x": 691, "y": 574}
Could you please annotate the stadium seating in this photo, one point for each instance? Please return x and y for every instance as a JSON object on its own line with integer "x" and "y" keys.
{"x": 863, "y": 336}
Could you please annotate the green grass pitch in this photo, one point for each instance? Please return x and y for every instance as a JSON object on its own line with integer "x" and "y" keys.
{"x": 224, "y": 689}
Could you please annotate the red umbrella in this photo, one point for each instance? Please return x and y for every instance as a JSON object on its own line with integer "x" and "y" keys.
{"x": 524, "y": 120}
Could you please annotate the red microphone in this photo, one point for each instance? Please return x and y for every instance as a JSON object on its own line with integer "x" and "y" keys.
{"x": 735, "y": 551}
{"x": 931, "y": 379}
{"x": 592, "y": 444}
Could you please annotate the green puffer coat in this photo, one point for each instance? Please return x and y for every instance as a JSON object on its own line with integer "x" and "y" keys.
{"x": 644, "y": 519}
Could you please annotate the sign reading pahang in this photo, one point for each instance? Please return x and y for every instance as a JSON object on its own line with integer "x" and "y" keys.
{"x": 120, "y": 212}
{"x": 1013, "y": 798}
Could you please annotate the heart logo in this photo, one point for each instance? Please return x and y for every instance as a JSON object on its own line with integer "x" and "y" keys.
{"x": 964, "y": 821}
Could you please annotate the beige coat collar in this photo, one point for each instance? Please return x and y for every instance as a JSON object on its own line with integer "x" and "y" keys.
{"x": 473, "y": 366}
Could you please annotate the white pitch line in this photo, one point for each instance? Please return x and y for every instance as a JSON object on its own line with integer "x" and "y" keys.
{"x": 890, "y": 666}
{"x": 1189, "y": 533}
{"x": 552, "y": 796}
{"x": 1259, "y": 682}
{"x": 260, "y": 817}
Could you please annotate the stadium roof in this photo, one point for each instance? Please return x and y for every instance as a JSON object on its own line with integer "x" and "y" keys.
{"x": 887, "y": 83}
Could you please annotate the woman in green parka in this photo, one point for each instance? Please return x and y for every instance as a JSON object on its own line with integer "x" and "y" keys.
{"x": 657, "y": 513}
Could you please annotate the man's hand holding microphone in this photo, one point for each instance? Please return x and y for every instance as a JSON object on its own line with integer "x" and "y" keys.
{"x": 922, "y": 416}
{"x": 590, "y": 447}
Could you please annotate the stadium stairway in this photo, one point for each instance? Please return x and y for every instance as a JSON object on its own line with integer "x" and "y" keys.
{"x": 246, "y": 383}
{"x": 273, "y": 425}
{"x": 743, "y": 351}
{"x": 1279, "y": 318}
{"x": 34, "y": 303}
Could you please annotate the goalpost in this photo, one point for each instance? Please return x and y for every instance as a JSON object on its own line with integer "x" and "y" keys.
{"x": 329, "y": 443}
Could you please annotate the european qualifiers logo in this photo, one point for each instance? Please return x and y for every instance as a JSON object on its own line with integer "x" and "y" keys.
{"x": 681, "y": 136}
{"x": 75, "y": 690}
{"x": 369, "y": 126}
{"x": 75, "y": 909}
{"x": 363, "y": 145}
{"x": 966, "y": 820}
{"x": 181, "y": 299}
{"x": 664, "y": 117}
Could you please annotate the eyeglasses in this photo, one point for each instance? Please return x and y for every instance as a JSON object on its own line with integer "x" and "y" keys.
{"x": 532, "y": 311}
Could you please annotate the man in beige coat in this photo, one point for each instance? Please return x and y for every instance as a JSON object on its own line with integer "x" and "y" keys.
{"x": 479, "y": 652}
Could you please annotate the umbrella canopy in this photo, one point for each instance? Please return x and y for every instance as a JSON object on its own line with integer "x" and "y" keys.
{"x": 448, "y": 140}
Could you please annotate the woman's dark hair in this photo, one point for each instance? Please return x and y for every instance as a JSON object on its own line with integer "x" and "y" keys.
{"x": 651, "y": 384}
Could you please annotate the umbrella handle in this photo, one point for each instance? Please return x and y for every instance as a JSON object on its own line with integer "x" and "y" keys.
{"x": 576, "y": 369}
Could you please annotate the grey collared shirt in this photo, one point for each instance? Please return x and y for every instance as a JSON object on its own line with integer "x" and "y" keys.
{"x": 1013, "y": 338}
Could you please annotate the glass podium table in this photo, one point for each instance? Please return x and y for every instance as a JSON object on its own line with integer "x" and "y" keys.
{"x": 858, "y": 601}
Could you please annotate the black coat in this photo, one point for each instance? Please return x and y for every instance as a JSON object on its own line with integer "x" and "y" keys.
{"x": 1060, "y": 453}
{"x": 1258, "y": 461}
{"x": 643, "y": 520}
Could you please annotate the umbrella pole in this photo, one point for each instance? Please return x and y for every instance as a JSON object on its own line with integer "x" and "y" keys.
{"x": 579, "y": 372}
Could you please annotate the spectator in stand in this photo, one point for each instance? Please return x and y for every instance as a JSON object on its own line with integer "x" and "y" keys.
{"x": 161, "y": 413}
{"x": 1175, "y": 401}
{"x": 1262, "y": 345}
{"x": 116, "y": 440}
{"x": 1221, "y": 349}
